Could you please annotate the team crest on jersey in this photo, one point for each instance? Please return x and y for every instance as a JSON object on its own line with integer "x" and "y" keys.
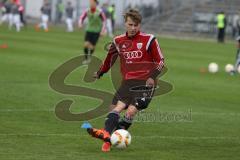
{"x": 139, "y": 45}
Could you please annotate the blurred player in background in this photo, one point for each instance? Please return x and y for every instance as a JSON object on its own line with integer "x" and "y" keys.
{"x": 7, "y": 16}
{"x": 113, "y": 17}
{"x": 46, "y": 13}
{"x": 21, "y": 13}
{"x": 2, "y": 10}
{"x": 16, "y": 16}
{"x": 141, "y": 62}
{"x": 59, "y": 11}
{"x": 69, "y": 17}
{"x": 221, "y": 25}
{"x": 94, "y": 28}
{"x": 235, "y": 23}
{"x": 108, "y": 13}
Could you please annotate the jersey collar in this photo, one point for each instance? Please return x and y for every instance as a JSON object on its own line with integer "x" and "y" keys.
{"x": 136, "y": 35}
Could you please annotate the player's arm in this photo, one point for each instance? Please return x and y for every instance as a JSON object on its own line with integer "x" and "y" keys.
{"x": 82, "y": 18}
{"x": 158, "y": 58}
{"x": 103, "y": 17}
{"x": 108, "y": 62}
{"x": 238, "y": 54}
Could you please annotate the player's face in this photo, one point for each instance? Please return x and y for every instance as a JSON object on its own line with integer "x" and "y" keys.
{"x": 93, "y": 4}
{"x": 45, "y": 2}
{"x": 131, "y": 27}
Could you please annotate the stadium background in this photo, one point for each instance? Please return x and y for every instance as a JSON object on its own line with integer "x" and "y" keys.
{"x": 160, "y": 15}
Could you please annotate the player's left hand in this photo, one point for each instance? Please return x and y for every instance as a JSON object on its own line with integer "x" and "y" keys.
{"x": 80, "y": 26}
{"x": 150, "y": 82}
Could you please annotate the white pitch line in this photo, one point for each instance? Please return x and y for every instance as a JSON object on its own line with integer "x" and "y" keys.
{"x": 177, "y": 112}
{"x": 134, "y": 136}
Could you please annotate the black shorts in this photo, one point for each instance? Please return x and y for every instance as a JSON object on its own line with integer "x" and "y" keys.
{"x": 134, "y": 92}
{"x": 92, "y": 37}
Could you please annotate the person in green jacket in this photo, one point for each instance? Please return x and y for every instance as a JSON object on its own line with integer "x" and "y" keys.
{"x": 95, "y": 27}
{"x": 221, "y": 25}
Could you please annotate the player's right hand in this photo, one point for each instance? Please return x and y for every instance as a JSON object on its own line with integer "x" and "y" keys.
{"x": 80, "y": 26}
{"x": 97, "y": 75}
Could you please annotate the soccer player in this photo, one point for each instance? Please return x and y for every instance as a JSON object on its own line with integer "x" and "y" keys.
{"x": 221, "y": 25}
{"x": 59, "y": 11}
{"x": 113, "y": 17}
{"x": 95, "y": 28}
{"x": 141, "y": 62}
{"x": 7, "y": 16}
{"x": 46, "y": 12}
{"x": 16, "y": 15}
{"x": 108, "y": 13}
{"x": 21, "y": 12}
{"x": 69, "y": 17}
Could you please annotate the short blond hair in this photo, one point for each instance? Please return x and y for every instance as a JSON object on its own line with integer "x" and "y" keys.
{"x": 134, "y": 15}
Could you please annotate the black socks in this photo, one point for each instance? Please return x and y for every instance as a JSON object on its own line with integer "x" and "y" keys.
{"x": 111, "y": 121}
{"x": 88, "y": 52}
{"x": 124, "y": 123}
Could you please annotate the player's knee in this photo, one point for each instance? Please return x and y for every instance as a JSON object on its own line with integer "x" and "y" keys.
{"x": 91, "y": 46}
{"x": 117, "y": 109}
{"x": 130, "y": 114}
{"x": 86, "y": 44}
{"x": 111, "y": 107}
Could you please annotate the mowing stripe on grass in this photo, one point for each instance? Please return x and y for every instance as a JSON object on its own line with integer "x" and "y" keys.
{"x": 135, "y": 136}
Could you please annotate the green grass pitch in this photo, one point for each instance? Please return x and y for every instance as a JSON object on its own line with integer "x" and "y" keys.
{"x": 29, "y": 128}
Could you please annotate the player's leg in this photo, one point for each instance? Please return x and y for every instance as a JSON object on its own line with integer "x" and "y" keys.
{"x": 127, "y": 119}
{"x": 223, "y": 35}
{"x": 86, "y": 49}
{"x": 140, "y": 100}
{"x": 111, "y": 123}
{"x": 3, "y": 18}
{"x": 113, "y": 117}
{"x": 10, "y": 21}
{"x": 86, "y": 46}
{"x": 91, "y": 49}
{"x": 237, "y": 64}
{"x": 109, "y": 27}
{"x": 17, "y": 23}
{"x": 40, "y": 25}
{"x": 69, "y": 25}
{"x": 89, "y": 45}
{"x": 106, "y": 147}
{"x": 45, "y": 22}
{"x": 92, "y": 43}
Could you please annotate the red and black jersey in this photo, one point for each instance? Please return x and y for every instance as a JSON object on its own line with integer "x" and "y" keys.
{"x": 140, "y": 56}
